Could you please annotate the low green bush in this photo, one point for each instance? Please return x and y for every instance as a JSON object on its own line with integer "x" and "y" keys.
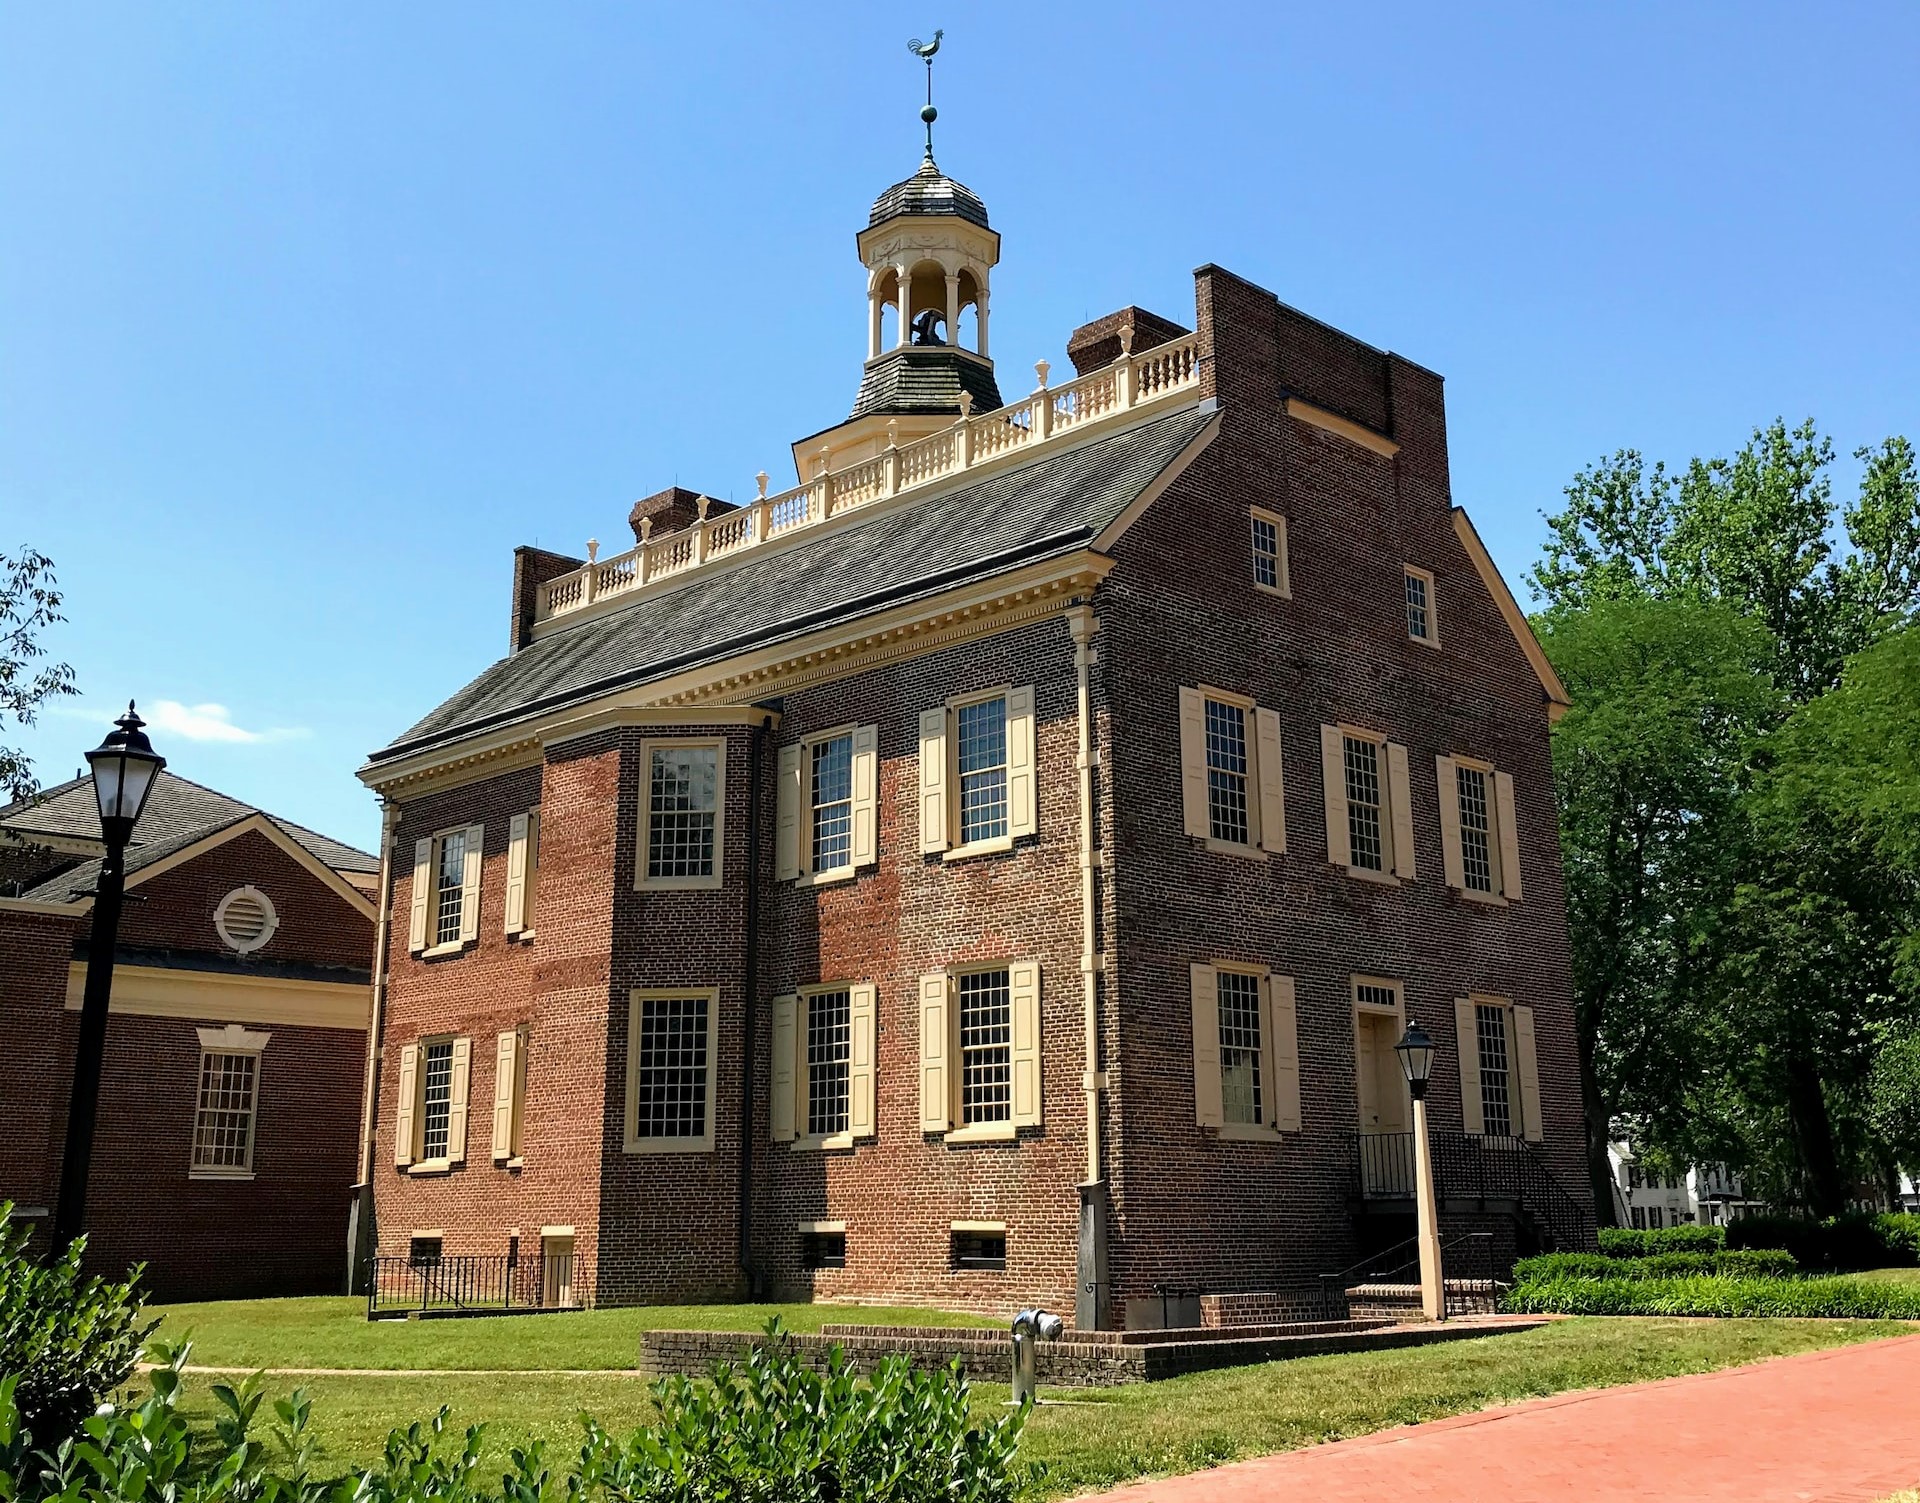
{"x": 66, "y": 1340}
{"x": 773, "y": 1430}
{"x": 1716, "y": 1294}
{"x": 1856, "y": 1240}
{"x": 1751, "y": 1263}
{"x": 1624, "y": 1242}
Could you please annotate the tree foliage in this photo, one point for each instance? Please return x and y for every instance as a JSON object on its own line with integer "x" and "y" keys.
{"x": 1732, "y": 792}
{"x": 29, "y": 604}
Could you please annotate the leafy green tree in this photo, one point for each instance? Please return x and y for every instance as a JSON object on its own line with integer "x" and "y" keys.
{"x": 1648, "y": 764}
{"x": 29, "y": 603}
{"x": 1736, "y": 1004}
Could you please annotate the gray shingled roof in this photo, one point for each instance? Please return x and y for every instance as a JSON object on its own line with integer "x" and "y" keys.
{"x": 179, "y": 813}
{"x": 925, "y": 378}
{"x": 929, "y": 191}
{"x": 1034, "y": 511}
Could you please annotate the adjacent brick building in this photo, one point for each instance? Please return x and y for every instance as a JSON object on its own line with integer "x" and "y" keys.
{"x": 236, "y": 1040}
{"x": 997, "y": 868}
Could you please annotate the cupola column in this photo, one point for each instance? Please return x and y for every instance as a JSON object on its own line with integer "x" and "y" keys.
{"x": 874, "y": 304}
{"x": 953, "y": 309}
{"x": 906, "y": 306}
{"x": 980, "y": 316}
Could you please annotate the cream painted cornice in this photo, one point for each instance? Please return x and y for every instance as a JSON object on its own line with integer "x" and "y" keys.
{"x": 227, "y": 997}
{"x": 1558, "y": 701}
{"x": 1346, "y": 428}
{"x": 34, "y": 905}
{"x": 43, "y": 840}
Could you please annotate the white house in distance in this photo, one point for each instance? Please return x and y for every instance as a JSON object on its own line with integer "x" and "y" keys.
{"x": 1647, "y": 1200}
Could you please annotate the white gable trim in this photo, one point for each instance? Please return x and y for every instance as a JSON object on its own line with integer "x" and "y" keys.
{"x": 1558, "y": 701}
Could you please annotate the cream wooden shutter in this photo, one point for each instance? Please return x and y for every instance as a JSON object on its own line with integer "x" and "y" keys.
{"x": 470, "y": 884}
{"x": 1467, "y": 1032}
{"x": 516, "y": 902}
{"x": 866, "y": 795}
{"x": 530, "y": 907}
{"x": 1510, "y": 886}
{"x": 1023, "y": 980}
{"x": 1193, "y": 763}
{"x": 786, "y": 1057}
{"x": 787, "y": 817}
{"x": 1282, "y": 1040}
{"x": 1022, "y": 763}
{"x": 1333, "y": 777}
{"x": 1273, "y": 804}
{"x": 422, "y": 895}
{"x": 403, "y": 1116}
{"x": 506, "y": 1069}
{"x": 1206, "y": 1045}
{"x": 1400, "y": 796}
{"x": 863, "y": 1014}
{"x": 1530, "y": 1114}
{"x": 457, "y": 1087}
{"x": 933, "y": 780}
{"x": 936, "y": 1054}
{"x": 1446, "y": 779}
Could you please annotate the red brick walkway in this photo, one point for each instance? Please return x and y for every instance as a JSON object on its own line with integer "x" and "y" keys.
{"x": 1838, "y": 1426}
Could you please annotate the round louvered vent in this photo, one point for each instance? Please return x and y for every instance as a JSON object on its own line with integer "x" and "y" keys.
{"x": 245, "y": 919}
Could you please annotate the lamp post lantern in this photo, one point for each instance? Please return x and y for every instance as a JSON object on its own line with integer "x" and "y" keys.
{"x": 1415, "y": 1050}
{"x": 124, "y": 767}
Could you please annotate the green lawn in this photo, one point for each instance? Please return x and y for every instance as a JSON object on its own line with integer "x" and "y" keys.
{"x": 337, "y": 1333}
{"x": 1891, "y": 1275}
{"x": 1101, "y": 1438}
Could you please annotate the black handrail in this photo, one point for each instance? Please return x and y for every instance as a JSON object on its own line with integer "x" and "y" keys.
{"x": 486, "y": 1283}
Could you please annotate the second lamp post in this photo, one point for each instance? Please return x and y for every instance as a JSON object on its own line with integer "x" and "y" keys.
{"x": 1416, "y": 1060}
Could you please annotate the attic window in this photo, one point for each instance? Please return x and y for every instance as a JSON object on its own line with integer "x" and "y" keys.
{"x": 245, "y": 920}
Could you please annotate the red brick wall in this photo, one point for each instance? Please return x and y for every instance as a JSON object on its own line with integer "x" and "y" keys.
{"x": 35, "y": 950}
{"x": 174, "y": 910}
{"x": 1181, "y": 609}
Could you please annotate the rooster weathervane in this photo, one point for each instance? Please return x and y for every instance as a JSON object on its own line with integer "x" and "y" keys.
{"x": 925, "y": 51}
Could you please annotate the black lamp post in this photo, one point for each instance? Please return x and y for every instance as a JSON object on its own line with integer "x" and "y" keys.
{"x": 124, "y": 767}
{"x": 1416, "y": 1062}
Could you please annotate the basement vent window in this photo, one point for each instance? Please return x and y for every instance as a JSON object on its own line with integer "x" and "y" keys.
{"x": 979, "y": 1251}
{"x": 423, "y": 1252}
{"x": 245, "y": 920}
{"x": 823, "y": 1250}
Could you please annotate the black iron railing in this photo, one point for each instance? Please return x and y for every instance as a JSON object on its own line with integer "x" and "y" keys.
{"x": 1386, "y": 1165}
{"x": 478, "y": 1284}
{"x": 1477, "y": 1167}
{"x": 1466, "y": 1268}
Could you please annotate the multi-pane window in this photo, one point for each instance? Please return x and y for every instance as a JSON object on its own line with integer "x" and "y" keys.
{"x": 832, "y": 803}
{"x": 436, "y": 1098}
{"x": 986, "y": 1047}
{"x": 1373, "y": 994}
{"x": 1476, "y": 827}
{"x": 1240, "y": 1049}
{"x": 1227, "y": 773}
{"x": 1639, "y": 1218}
{"x": 683, "y": 804}
{"x": 829, "y": 1057}
{"x": 1496, "y": 1108}
{"x": 979, "y": 1251}
{"x": 823, "y": 1250}
{"x": 450, "y": 885}
{"x": 1654, "y": 1220}
{"x": 980, "y": 738}
{"x": 670, "y": 1068}
{"x": 1269, "y": 553}
{"x": 1365, "y": 844}
{"x": 1419, "y": 605}
{"x": 223, "y": 1121}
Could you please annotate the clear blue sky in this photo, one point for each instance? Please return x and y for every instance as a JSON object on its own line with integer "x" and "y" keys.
{"x": 310, "y": 313}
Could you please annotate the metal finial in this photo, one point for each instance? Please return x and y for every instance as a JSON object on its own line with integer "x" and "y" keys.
{"x": 925, "y": 51}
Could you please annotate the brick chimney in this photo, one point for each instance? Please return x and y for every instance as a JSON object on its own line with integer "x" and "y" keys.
{"x": 1095, "y": 346}
{"x": 533, "y": 567}
{"x": 672, "y": 509}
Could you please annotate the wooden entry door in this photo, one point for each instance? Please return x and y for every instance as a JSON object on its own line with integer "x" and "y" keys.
{"x": 1381, "y": 1084}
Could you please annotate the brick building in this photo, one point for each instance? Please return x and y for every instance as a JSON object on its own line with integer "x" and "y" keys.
{"x": 236, "y": 1040}
{"x": 997, "y": 867}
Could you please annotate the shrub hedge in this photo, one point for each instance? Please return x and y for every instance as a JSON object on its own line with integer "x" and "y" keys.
{"x": 1853, "y": 1241}
{"x": 1623, "y": 1242}
{"x": 771, "y": 1431}
{"x": 1716, "y": 1294}
{"x": 1754, "y": 1263}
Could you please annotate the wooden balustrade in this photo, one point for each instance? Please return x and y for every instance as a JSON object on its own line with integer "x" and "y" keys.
{"x": 972, "y": 440}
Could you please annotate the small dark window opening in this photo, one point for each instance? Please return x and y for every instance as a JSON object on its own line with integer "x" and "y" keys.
{"x": 980, "y": 1252}
{"x": 823, "y": 1250}
{"x": 423, "y": 1251}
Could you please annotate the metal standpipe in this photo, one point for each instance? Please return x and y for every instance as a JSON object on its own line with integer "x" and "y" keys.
{"x": 1030, "y": 1327}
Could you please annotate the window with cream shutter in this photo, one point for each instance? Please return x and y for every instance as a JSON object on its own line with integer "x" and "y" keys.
{"x": 933, "y": 780}
{"x": 421, "y": 895}
{"x": 1207, "y": 1104}
{"x": 405, "y": 1142}
{"x": 509, "y": 1094}
{"x": 979, "y": 772}
{"x": 514, "y": 907}
{"x": 980, "y": 1051}
{"x": 828, "y": 815}
{"x": 1023, "y": 980}
{"x": 936, "y": 1053}
{"x": 1466, "y": 1033}
{"x": 1246, "y": 1056}
{"x": 1499, "y": 1068}
{"x": 458, "y": 1087}
{"x": 1230, "y": 772}
{"x": 1480, "y": 847}
{"x": 1368, "y": 802}
{"x": 786, "y": 1015}
{"x": 470, "y": 884}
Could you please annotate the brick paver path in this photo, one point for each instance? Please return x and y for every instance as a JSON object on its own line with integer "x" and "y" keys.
{"x": 1837, "y": 1426}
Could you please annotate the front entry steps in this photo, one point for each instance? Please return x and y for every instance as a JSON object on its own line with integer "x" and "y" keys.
{"x": 1402, "y": 1301}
